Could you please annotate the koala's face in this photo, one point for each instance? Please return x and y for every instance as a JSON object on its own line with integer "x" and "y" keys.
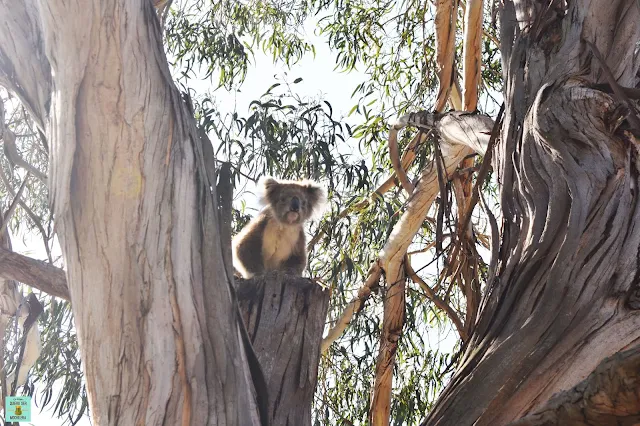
{"x": 291, "y": 202}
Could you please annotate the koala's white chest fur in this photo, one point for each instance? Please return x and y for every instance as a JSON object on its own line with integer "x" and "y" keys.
{"x": 277, "y": 243}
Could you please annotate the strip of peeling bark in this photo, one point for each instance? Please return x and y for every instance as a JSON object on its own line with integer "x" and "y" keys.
{"x": 609, "y": 396}
{"x": 445, "y": 25}
{"x": 395, "y": 159}
{"x": 472, "y": 63}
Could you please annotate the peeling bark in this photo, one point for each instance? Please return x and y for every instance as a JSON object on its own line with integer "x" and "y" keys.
{"x": 472, "y": 53}
{"x": 445, "y": 23}
{"x": 555, "y": 306}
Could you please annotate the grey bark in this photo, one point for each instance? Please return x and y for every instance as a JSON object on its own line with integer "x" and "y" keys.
{"x": 556, "y": 303}
{"x": 607, "y": 397}
{"x": 34, "y": 273}
{"x": 285, "y": 317}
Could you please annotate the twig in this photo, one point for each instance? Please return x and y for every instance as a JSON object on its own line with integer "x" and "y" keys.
{"x": 12, "y": 207}
{"x": 30, "y": 213}
{"x": 484, "y": 169}
{"x": 395, "y": 157}
{"x": 451, "y": 313}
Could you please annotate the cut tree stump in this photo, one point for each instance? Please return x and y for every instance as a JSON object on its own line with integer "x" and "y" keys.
{"x": 285, "y": 317}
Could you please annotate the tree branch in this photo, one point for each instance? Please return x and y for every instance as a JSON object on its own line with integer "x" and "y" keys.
{"x": 34, "y": 273}
{"x": 395, "y": 157}
{"x": 459, "y": 133}
{"x": 608, "y": 396}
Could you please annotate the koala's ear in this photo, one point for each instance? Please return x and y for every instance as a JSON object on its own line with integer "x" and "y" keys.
{"x": 267, "y": 183}
{"x": 316, "y": 195}
{"x": 268, "y": 187}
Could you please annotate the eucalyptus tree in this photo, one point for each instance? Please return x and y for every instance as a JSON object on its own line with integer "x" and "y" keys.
{"x": 130, "y": 181}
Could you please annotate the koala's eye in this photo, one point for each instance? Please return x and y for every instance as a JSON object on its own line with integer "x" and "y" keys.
{"x": 283, "y": 198}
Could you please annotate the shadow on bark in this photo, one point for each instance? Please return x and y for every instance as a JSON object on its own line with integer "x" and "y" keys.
{"x": 285, "y": 317}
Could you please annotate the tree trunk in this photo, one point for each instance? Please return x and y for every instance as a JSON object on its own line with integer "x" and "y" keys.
{"x": 557, "y": 303}
{"x": 285, "y": 317}
{"x": 159, "y": 329}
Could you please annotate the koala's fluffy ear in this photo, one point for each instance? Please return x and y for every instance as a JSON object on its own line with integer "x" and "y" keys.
{"x": 316, "y": 195}
{"x": 268, "y": 187}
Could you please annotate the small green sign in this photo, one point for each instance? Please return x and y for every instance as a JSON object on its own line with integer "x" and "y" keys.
{"x": 18, "y": 409}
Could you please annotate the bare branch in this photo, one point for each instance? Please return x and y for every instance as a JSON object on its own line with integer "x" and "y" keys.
{"x": 395, "y": 158}
{"x": 392, "y": 324}
{"x": 34, "y": 273}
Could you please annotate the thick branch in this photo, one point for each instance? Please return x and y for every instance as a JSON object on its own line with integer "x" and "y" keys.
{"x": 284, "y": 316}
{"x": 34, "y": 273}
{"x": 609, "y": 396}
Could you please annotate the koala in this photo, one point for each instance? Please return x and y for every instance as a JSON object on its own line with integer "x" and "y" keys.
{"x": 275, "y": 239}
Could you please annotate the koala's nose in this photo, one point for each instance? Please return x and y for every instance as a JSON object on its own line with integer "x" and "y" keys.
{"x": 295, "y": 204}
